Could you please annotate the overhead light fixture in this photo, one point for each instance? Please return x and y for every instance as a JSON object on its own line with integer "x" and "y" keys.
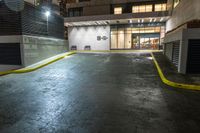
{"x": 151, "y": 20}
{"x": 142, "y": 20}
{"x": 155, "y": 20}
{"x": 161, "y": 19}
{"x": 107, "y": 22}
{"x": 138, "y": 20}
{"x": 130, "y": 21}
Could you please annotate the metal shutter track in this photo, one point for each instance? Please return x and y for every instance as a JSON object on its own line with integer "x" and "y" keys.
{"x": 175, "y": 57}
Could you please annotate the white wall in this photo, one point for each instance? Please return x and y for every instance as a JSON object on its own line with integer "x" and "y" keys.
{"x": 82, "y": 36}
{"x": 36, "y": 48}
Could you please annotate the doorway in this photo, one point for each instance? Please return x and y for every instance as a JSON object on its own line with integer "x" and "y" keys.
{"x": 145, "y": 41}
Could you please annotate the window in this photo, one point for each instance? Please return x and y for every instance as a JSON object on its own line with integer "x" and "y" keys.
{"x": 73, "y": 12}
{"x": 160, "y": 7}
{"x": 149, "y": 8}
{"x": 142, "y": 8}
{"x": 128, "y": 37}
{"x": 84, "y": 0}
{"x": 118, "y": 10}
{"x": 176, "y": 2}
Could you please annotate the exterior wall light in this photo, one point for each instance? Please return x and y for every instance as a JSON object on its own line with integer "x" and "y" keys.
{"x": 47, "y": 13}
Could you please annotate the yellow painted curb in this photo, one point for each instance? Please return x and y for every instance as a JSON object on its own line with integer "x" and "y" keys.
{"x": 25, "y": 70}
{"x": 171, "y": 83}
{"x": 115, "y": 51}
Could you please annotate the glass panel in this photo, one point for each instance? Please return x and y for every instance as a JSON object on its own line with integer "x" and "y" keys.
{"x": 149, "y": 8}
{"x": 142, "y": 8}
{"x": 164, "y": 7}
{"x": 158, "y": 7}
{"x": 128, "y": 41}
{"x": 162, "y": 32}
{"x": 142, "y": 30}
{"x": 118, "y": 10}
{"x": 135, "y": 30}
{"x": 135, "y": 41}
{"x": 157, "y": 29}
{"x": 113, "y": 41}
{"x": 120, "y": 31}
{"x": 150, "y": 29}
{"x": 137, "y": 37}
{"x": 135, "y": 9}
{"x": 121, "y": 39}
{"x": 154, "y": 42}
{"x": 113, "y": 31}
{"x": 128, "y": 30}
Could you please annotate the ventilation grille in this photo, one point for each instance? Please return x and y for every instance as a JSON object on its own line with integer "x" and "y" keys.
{"x": 175, "y": 57}
{"x": 9, "y": 21}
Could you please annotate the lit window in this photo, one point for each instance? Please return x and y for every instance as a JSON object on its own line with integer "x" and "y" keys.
{"x": 142, "y": 8}
{"x": 135, "y": 9}
{"x": 176, "y": 2}
{"x": 118, "y": 10}
{"x": 149, "y": 8}
{"x": 164, "y": 7}
{"x": 160, "y": 7}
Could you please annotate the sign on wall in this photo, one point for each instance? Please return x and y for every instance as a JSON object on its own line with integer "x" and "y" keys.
{"x": 99, "y": 38}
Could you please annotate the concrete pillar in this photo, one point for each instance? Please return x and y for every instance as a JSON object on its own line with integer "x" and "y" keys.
{"x": 182, "y": 67}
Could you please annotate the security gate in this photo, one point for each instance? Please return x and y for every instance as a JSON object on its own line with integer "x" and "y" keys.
{"x": 175, "y": 54}
{"x": 10, "y": 54}
{"x": 193, "y": 61}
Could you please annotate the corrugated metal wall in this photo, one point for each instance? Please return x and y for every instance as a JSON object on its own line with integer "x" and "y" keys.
{"x": 34, "y": 22}
{"x": 175, "y": 55}
{"x": 172, "y": 51}
{"x": 168, "y": 50}
{"x": 30, "y": 21}
{"x": 10, "y": 21}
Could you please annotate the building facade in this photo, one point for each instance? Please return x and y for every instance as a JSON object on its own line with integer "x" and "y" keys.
{"x": 115, "y": 24}
{"x": 28, "y": 35}
{"x": 182, "y": 40}
{"x": 137, "y": 24}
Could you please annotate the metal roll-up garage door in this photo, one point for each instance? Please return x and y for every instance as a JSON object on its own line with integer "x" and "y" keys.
{"x": 10, "y": 54}
{"x": 193, "y": 61}
{"x": 175, "y": 54}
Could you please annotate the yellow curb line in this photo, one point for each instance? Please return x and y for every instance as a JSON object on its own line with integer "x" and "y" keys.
{"x": 26, "y": 70}
{"x": 163, "y": 78}
{"x": 115, "y": 51}
{"x": 171, "y": 83}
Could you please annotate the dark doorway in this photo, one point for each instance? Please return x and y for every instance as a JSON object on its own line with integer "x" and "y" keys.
{"x": 10, "y": 54}
{"x": 193, "y": 61}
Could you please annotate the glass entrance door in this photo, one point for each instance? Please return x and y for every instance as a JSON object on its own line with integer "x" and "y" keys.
{"x": 135, "y": 41}
{"x": 135, "y": 37}
{"x": 145, "y": 41}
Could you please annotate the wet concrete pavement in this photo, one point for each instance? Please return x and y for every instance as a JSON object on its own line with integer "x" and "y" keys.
{"x": 96, "y": 93}
{"x": 171, "y": 72}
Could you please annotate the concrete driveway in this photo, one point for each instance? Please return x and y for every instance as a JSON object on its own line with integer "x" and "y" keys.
{"x": 96, "y": 93}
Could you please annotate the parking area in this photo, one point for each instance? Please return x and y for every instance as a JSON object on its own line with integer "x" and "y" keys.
{"x": 96, "y": 93}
